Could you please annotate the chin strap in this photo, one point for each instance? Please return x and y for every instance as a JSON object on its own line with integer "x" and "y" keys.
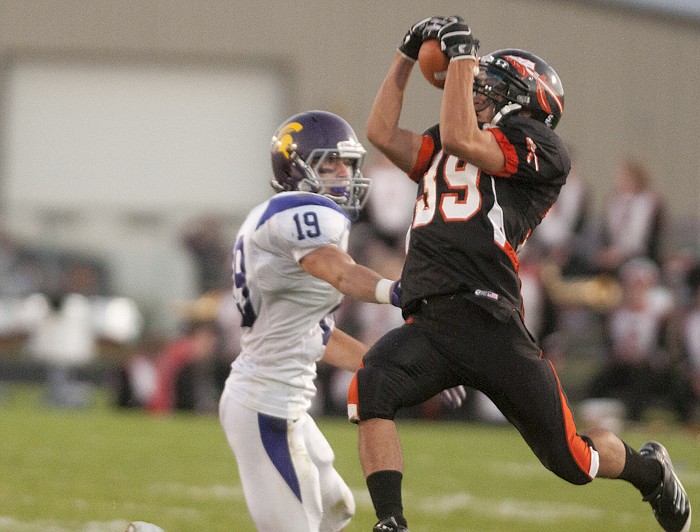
{"x": 277, "y": 187}
{"x": 505, "y": 110}
{"x": 310, "y": 183}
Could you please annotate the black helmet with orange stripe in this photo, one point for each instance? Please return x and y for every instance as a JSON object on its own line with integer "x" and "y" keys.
{"x": 515, "y": 79}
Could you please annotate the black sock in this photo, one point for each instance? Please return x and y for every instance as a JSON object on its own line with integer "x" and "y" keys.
{"x": 385, "y": 489}
{"x": 642, "y": 472}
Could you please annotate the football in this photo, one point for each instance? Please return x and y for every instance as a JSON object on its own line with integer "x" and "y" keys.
{"x": 433, "y": 63}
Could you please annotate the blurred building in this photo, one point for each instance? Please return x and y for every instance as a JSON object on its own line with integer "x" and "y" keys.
{"x": 122, "y": 122}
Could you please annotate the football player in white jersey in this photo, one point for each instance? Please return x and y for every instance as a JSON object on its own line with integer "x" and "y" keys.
{"x": 291, "y": 270}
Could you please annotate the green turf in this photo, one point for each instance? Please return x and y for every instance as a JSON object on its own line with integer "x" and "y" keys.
{"x": 97, "y": 469}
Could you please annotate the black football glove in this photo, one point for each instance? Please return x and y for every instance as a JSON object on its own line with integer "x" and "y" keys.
{"x": 435, "y": 24}
{"x": 457, "y": 41}
{"x": 423, "y": 30}
{"x": 413, "y": 39}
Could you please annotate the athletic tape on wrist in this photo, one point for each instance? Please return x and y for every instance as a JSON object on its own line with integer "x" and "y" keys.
{"x": 382, "y": 291}
{"x": 405, "y": 56}
{"x": 461, "y": 57}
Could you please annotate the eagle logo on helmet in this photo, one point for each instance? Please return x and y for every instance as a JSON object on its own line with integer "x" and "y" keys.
{"x": 285, "y": 142}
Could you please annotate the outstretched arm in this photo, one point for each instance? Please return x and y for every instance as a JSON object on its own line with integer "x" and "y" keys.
{"x": 338, "y": 269}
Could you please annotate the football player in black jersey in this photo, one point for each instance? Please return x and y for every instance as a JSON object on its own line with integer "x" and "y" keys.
{"x": 487, "y": 174}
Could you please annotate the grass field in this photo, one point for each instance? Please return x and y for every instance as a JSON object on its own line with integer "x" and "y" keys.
{"x": 97, "y": 469}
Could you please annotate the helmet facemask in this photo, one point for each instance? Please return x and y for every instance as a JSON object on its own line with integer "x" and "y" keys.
{"x": 505, "y": 93}
{"x": 529, "y": 84}
{"x": 349, "y": 192}
{"x": 319, "y": 152}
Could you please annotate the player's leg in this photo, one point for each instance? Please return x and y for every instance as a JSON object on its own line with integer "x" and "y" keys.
{"x": 402, "y": 369}
{"x": 337, "y": 500}
{"x": 651, "y": 471}
{"x": 280, "y": 482}
{"x": 374, "y": 457}
{"x": 536, "y": 404}
{"x": 382, "y": 464}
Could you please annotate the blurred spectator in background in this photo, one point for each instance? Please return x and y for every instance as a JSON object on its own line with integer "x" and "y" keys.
{"x": 65, "y": 327}
{"x": 561, "y": 234}
{"x": 204, "y": 238}
{"x": 62, "y": 337}
{"x": 639, "y": 371}
{"x": 389, "y": 209}
{"x": 677, "y": 275}
{"x": 220, "y": 308}
{"x": 539, "y": 311}
{"x": 686, "y": 334}
{"x": 19, "y": 275}
{"x": 134, "y": 381}
{"x": 229, "y": 320}
{"x": 633, "y": 224}
{"x": 8, "y": 259}
{"x": 162, "y": 373}
{"x": 691, "y": 337}
{"x": 184, "y": 370}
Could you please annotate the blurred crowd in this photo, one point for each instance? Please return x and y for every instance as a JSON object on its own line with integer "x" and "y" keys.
{"x": 614, "y": 307}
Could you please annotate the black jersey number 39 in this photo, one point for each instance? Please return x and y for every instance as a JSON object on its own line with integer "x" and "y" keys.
{"x": 461, "y": 179}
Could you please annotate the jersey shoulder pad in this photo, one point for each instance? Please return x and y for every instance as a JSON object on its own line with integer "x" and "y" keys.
{"x": 539, "y": 149}
{"x": 303, "y": 221}
{"x": 518, "y": 128}
{"x": 290, "y": 200}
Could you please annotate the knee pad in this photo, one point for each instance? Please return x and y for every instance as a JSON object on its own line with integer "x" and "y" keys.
{"x": 401, "y": 369}
{"x": 373, "y": 395}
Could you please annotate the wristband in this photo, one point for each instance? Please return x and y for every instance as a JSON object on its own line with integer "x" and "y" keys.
{"x": 475, "y": 68}
{"x": 382, "y": 291}
{"x": 406, "y": 56}
{"x": 461, "y": 57}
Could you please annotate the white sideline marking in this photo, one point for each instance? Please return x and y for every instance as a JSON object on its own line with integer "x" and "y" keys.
{"x": 688, "y": 478}
{"x": 43, "y": 525}
{"x": 199, "y": 492}
{"x": 362, "y": 498}
{"x": 531, "y": 510}
{"x": 519, "y": 469}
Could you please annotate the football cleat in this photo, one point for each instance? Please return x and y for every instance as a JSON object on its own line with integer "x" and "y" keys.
{"x": 669, "y": 501}
{"x": 389, "y": 525}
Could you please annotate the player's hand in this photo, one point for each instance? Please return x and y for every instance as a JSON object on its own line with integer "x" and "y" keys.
{"x": 457, "y": 41}
{"x": 453, "y": 397}
{"x": 423, "y": 30}
{"x": 396, "y": 293}
{"x": 435, "y": 24}
{"x": 413, "y": 39}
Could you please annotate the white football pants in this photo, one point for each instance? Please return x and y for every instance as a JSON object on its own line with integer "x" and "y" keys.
{"x": 286, "y": 469}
